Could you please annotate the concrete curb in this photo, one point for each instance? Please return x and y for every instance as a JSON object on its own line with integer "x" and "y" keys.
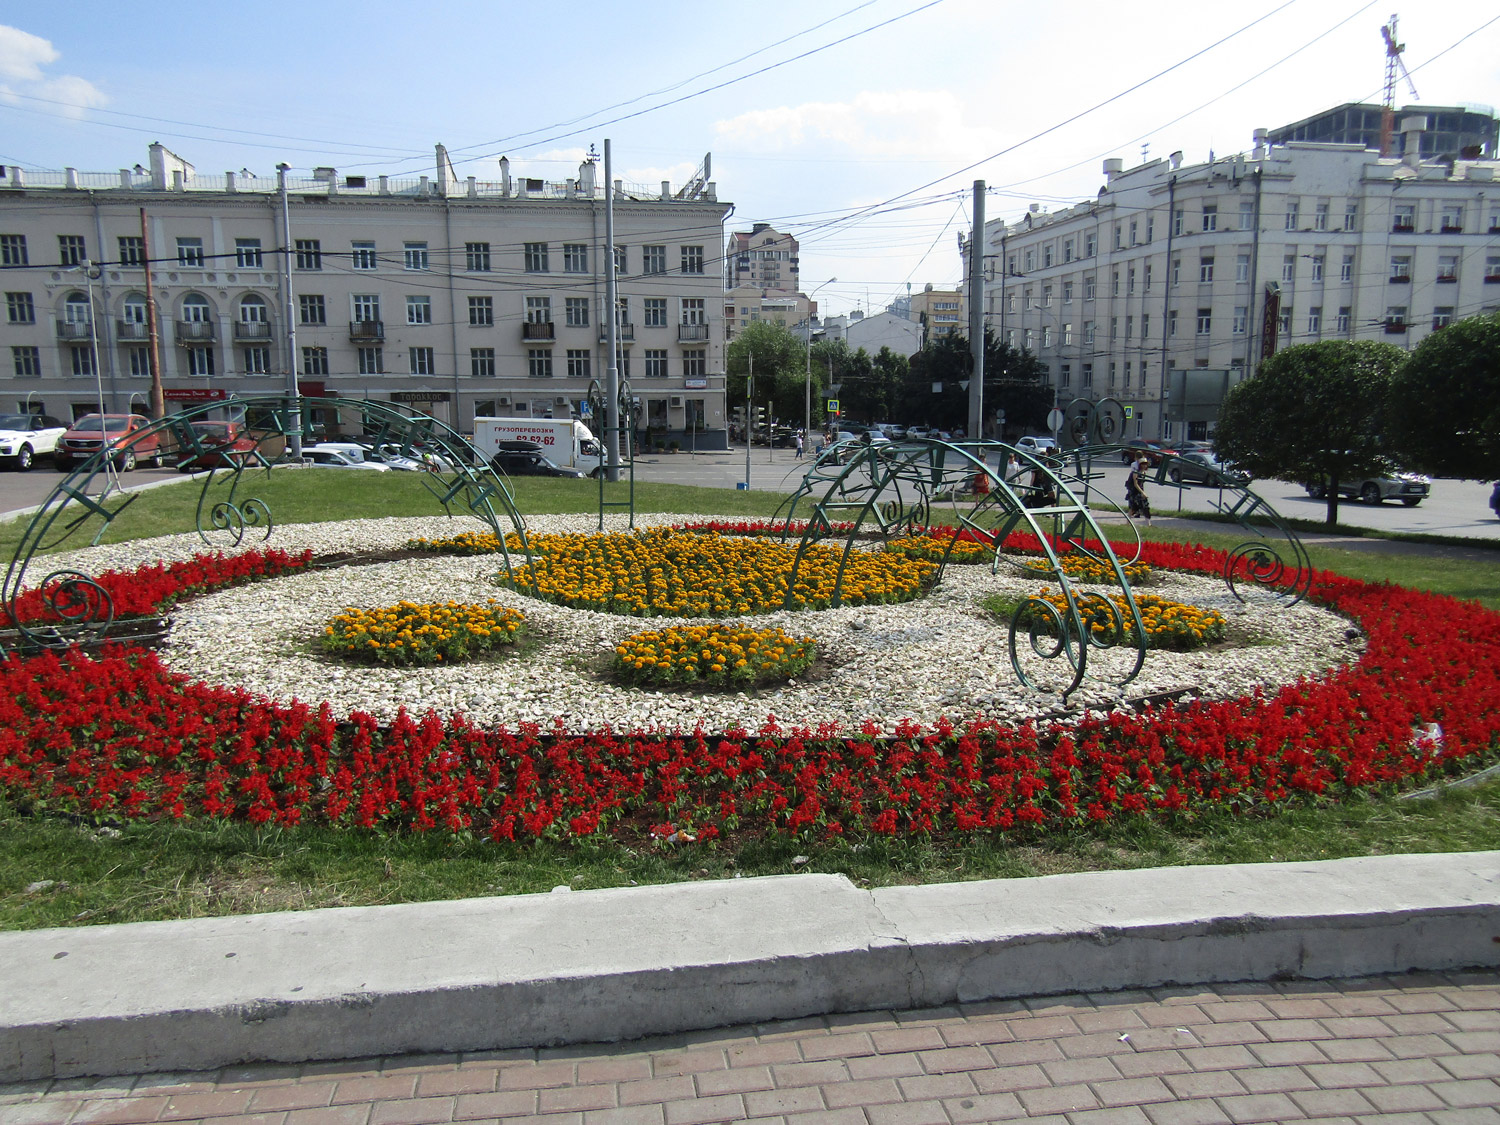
{"x": 618, "y": 964}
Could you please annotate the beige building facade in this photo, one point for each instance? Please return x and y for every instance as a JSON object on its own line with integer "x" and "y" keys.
{"x": 453, "y": 296}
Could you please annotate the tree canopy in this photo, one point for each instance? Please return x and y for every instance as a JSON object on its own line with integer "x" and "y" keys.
{"x": 1014, "y": 381}
{"x": 1314, "y": 412}
{"x": 1446, "y": 402}
{"x": 780, "y": 368}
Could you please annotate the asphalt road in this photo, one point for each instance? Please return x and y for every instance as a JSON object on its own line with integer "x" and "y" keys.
{"x": 1456, "y": 507}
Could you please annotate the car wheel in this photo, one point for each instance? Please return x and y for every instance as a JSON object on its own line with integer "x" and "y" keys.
{"x": 127, "y": 461}
{"x": 155, "y": 461}
{"x": 1411, "y": 501}
{"x": 597, "y": 473}
{"x": 1125, "y": 458}
{"x": 1369, "y": 493}
{"x": 23, "y": 459}
{"x": 1176, "y": 475}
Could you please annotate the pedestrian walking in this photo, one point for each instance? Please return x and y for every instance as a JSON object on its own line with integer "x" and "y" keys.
{"x": 799, "y": 445}
{"x": 1137, "y": 503}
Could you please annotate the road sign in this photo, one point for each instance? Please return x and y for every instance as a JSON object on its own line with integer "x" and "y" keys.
{"x": 833, "y": 406}
{"x": 1055, "y": 420}
{"x": 1129, "y": 412}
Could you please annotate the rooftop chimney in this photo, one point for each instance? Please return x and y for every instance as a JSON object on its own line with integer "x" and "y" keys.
{"x": 1112, "y": 168}
{"x": 1259, "y": 136}
{"x": 1412, "y": 129}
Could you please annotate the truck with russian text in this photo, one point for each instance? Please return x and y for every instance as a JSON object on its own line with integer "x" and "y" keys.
{"x": 564, "y": 441}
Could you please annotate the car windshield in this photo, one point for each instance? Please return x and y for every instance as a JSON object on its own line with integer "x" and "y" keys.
{"x": 15, "y": 421}
{"x": 218, "y": 430}
{"x": 114, "y": 424}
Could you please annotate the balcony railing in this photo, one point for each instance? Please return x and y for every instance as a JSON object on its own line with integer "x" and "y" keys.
{"x": 71, "y": 330}
{"x": 538, "y": 331}
{"x": 132, "y": 330}
{"x": 1395, "y": 327}
{"x": 1401, "y": 279}
{"x": 1404, "y": 225}
{"x": 1447, "y": 279}
{"x": 1452, "y": 228}
{"x": 196, "y": 332}
{"x": 692, "y": 332}
{"x": 367, "y": 330}
{"x": 626, "y": 332}
{"x": 251, "y": 330}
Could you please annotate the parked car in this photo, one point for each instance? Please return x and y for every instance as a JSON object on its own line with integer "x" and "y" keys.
{"x": 1136, "y": 448}
{"x": 24, "y": 437}
{"x": 223, "y": 444}
{"x": 337, "y": 457}
{"x": 1038, "y": 445}
{"x": 1410, "y": 488}
{"x": 121, "y": 432}
{"x": 525, "y": 459}
{"x": 1198, "y": 467}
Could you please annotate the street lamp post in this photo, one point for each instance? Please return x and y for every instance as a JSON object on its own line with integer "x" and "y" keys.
{"x": 807, "y": 420}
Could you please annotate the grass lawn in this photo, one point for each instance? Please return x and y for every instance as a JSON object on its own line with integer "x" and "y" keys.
{"x": 60, "y": 872}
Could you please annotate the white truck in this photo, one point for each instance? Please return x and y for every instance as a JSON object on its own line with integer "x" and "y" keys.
{"x": 564, "y": 441}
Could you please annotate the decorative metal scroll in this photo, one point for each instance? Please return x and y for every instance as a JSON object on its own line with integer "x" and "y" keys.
{"x": 630, "y": 413}
{"x": 88, "y": 502}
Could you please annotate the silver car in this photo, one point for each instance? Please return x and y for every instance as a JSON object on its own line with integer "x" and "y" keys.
{"x": 1409, "y": 488}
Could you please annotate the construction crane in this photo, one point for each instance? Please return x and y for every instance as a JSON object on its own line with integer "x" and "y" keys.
{"x": 1393, "y": 64}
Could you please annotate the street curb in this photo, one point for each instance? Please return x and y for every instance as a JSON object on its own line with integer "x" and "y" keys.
{"x": 607, "y": 965}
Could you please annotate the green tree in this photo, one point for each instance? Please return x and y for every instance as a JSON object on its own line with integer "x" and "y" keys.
{"x": 1014, "y": 381}
{"x": 780, "y": 368}
{"x": 1446, "y": 402}
{"x": 1314, "y": 413}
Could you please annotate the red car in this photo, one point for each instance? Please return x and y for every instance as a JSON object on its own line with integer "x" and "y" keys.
{"x": 121, "y": 432}
{"x": 1136, "y": 448}
{"x": 218, "y": 445}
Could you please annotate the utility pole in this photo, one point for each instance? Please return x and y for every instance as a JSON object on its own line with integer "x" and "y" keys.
{"x": 612, "y": 371}
{"x": 749, "y": 414}
{"x": 294, "y": 401}
{"x": 153, "y": 354}
{"x": 976, "y": 317}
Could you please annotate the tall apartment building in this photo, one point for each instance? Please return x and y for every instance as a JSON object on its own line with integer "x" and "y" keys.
{"x": 1453, "y": 132}
{"x": 762, "y": 258}
{"x": 1215, "y": 265}
{"x": 941, "y": 310}
{"x": 458, "y": 297}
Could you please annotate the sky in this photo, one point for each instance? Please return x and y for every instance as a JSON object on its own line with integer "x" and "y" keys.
{"x": 858, "y": 125}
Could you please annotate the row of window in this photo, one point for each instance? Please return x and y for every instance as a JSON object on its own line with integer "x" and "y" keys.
{"x": 199, "y": 361}
{"x": 1452, "y": 220}
{"x": 249, "y": 254}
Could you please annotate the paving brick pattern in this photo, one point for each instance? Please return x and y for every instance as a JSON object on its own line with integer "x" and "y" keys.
{"x": 1416, "y": 1048}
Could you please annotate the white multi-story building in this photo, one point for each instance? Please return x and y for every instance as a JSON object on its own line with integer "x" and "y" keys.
{"x": 457, "y": 297}
{"x": 1216, "y": 265}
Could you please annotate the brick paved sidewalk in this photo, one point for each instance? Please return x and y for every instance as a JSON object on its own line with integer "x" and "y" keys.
{"x": 1417, "y": 1048}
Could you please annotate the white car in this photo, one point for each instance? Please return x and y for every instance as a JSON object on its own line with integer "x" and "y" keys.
{"x": 23, "y": 437}
{"x": 1037, "y": 445}
{"x": 341, "y": 459}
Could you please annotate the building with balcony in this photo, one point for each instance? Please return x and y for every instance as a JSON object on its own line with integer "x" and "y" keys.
{"x": 762, "y": 258}
{"x": 941, "y": 312}
{"x": 457, "y": 297}
{"x": 747, "y": 305}
{"x": 1219, "y": 264}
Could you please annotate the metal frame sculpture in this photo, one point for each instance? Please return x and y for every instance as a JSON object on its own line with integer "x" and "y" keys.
{"x": 77, "y": 609}
{"x": 629, "y": 415}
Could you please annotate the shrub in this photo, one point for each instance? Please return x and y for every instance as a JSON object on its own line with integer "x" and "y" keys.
{"x": 407, "y": 633}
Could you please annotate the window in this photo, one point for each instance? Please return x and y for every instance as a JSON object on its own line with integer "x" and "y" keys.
{"x": 1114, "y": 327}
{"x": 1150, "y": 226}
{"x": 418, "y": 310}
{"x": 1114, "y": 283}
{"x": 1177, "y": 218}
{"x": 195, "y": 309}
{"x": 1492, "y": 268}
{"x": 1026, "y": 300}
{"x": 622, "y": 311}
{"x": 1351, "y": 216}
{"x": 1241, "y": 320}
{"x": 372, "y": 361}
{"x": 1242, "y": 267}
{"x": 1171, "y": 322}
{"x": 362, "y": 256}
{"x": 536, "y": 257}
{"x": 1030, "y": 260}
{"x": 1113, "y": 368}
{"x": 482, "y": 363}
{"x": 1289, "y": 267}
{"x": 1247, "y": 214}
{"x": 576, "y": 312}
{"x": 1210, "y": 217}
{"x": 1118, "y": 242}
{"x": 1400, "y": 268}
{"x": 132, "y": 250}
{"x": 133, "y": 311}
{"x": 1067, "y": 292}
{"x": 420, "y": 361}
{"x": 1089, "y": 332}
{"x": 27, "y": 361}
{"x": 1176, "y": 270}
{"x": 367, "y": 308}
{"x": 19, "y": 309}
{"x": 1090, "y": 244}
{"x": 1395, "y": 318}
{"x": 72, "y": 251}
{"x": 620, "y": 259}
{"x": 247, "y": 254}
{"x": 82, "y": 360}
{"x": 1067, "y": 335}
{"x": 1442, "y": 316}
{"x": 477, "y": 257}
{"x": 13, "y": 250}
{"x": 415, "y": 255}
{"x": 538, "y": 310}
{"x": 1205, "y": 322}
{"x": 1010, "y": 301}
{"x": 692, "y": 259}
{"x": 656, "y": 363}
{"x": 694, "y": 363}
{"x": 1315, "y": 320}
{"x": 1206, "y": 268}
{"x": 1134, "y": 228}
{"x": 1088, "y": 287}
{"x": 539, "y": 363}
{"x": 1129, "y": 327}
{"x": 1067, "y": 250}
{"x": 1046, "y": 335}
{"x": 655, "y": 312}
{"x": 1046, "y": 296}
{"x": 255, "y": 360}
{"x": 312, "y": 308}
{"x": 693, "y": 311}
{"x": 1317, "y": 267}
{"x": 575, "y": 257}
{"x": 1145, "y": 325}
{"x": 1130, "y": 280}
{"x": 1148, "y": 277}
{"x": 1284, "y": 321}
{"x": 200, "y": 360}
{"x": 1447, "y": 270}
{"x": 190, "y": 252}
{"x": 1453, "y": 218}
{"x": 309, "y": 254}
{"x": 138, "y": 361}
{"x": 482, "y": 311}
{"x": 1405, "y": 217}
{"x": 1343, "y": 320}
{"x": 315, "y": 361}
{"x": 1046, "y": 256}
{"x": 1346, "y": 268}
{"x": 653, "y": 259}
{"x": 1027, "y": 339}
{"x": 579, "y": 365}
{"x": 1086, "y": 375}
{"x": 1291, "y": 215}
{"x": 253, "y": 310}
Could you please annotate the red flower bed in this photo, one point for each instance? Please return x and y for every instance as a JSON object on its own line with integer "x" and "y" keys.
{"x": 123, "y": 736}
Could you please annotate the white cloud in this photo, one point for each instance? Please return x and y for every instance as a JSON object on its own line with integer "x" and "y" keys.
{"x": 23, "y": 59}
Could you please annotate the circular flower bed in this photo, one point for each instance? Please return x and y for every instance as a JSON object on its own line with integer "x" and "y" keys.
{"x": 411, "y": 634}
{"x": 713, "y": 655}
{"x": 122, "y": 735}
{"x": 672, "y": 574}
{"x": 1168, "y": 624}
{"x": 933, "y": 548}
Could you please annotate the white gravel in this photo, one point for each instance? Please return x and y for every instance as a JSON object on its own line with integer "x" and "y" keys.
{"x": 941, "y": 656}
